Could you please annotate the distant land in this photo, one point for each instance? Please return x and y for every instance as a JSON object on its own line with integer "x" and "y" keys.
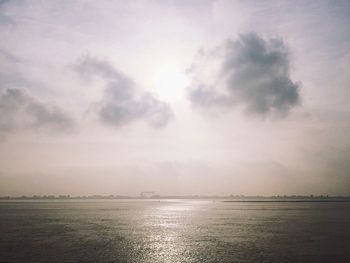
{"x": 229, "y": 198}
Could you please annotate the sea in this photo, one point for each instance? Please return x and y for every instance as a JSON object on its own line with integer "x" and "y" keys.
{"x": 175, "y": 230}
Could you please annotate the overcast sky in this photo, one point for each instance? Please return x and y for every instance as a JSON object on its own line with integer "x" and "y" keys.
{"x": 174, "y": 96}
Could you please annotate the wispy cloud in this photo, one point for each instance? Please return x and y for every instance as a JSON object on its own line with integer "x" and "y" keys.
{"x": 20, "y": 110}
{"x": 123, "y": 101}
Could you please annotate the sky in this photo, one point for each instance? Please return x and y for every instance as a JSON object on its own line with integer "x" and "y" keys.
{"x": 196, "y": 97}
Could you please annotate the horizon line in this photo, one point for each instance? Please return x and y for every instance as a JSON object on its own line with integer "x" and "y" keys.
{"x": 63, "y": 197}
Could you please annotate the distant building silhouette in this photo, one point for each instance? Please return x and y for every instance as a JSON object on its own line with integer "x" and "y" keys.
{"x": 146, "y": 194}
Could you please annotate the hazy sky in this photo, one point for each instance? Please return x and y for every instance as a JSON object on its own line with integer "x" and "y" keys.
{"x": 174, "y": 96}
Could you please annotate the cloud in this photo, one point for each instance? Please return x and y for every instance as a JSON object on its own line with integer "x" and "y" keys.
{"x": 20, "y": 110}
{"x": 5, "y": 20}
{"x": 251, "y": 71}
{"x": 123, "y": 101}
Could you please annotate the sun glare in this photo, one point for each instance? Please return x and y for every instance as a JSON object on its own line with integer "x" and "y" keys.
{"x": 169, "y": 83}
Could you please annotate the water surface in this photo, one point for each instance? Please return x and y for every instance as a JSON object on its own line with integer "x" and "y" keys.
{"x": 173, "y": 231}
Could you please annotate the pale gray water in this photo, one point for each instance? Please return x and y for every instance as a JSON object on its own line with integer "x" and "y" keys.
{"x": 173, "y": 231}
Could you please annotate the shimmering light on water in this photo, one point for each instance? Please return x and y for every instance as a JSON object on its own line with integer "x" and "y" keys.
{"x": 173, "y": 231}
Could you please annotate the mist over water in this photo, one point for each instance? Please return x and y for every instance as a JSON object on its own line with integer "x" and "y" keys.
{"x": 107, "y": 105}
{"x": 173, "y": 231}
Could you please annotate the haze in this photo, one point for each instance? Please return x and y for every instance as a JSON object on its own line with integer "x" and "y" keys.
{"x": 176, "y": 97}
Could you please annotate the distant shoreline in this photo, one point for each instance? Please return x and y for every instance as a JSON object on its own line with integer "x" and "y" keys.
{"x": 231, "y": 198}
{"x": 287, "y": 201}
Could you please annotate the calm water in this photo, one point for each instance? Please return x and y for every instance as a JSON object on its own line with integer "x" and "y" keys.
{"x": 173, "y": 231}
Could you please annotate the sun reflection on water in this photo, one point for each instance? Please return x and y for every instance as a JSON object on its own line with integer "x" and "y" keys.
{"x": 168, "y": 224}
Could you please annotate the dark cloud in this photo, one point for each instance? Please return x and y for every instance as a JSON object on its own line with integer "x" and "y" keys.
{"x": 20, "y": 110}
{"x": 123, "y": 101}
{"x": 251, "y": 71}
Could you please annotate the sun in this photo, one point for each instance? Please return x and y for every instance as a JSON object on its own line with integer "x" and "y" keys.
{"x": 170, "y": 82}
